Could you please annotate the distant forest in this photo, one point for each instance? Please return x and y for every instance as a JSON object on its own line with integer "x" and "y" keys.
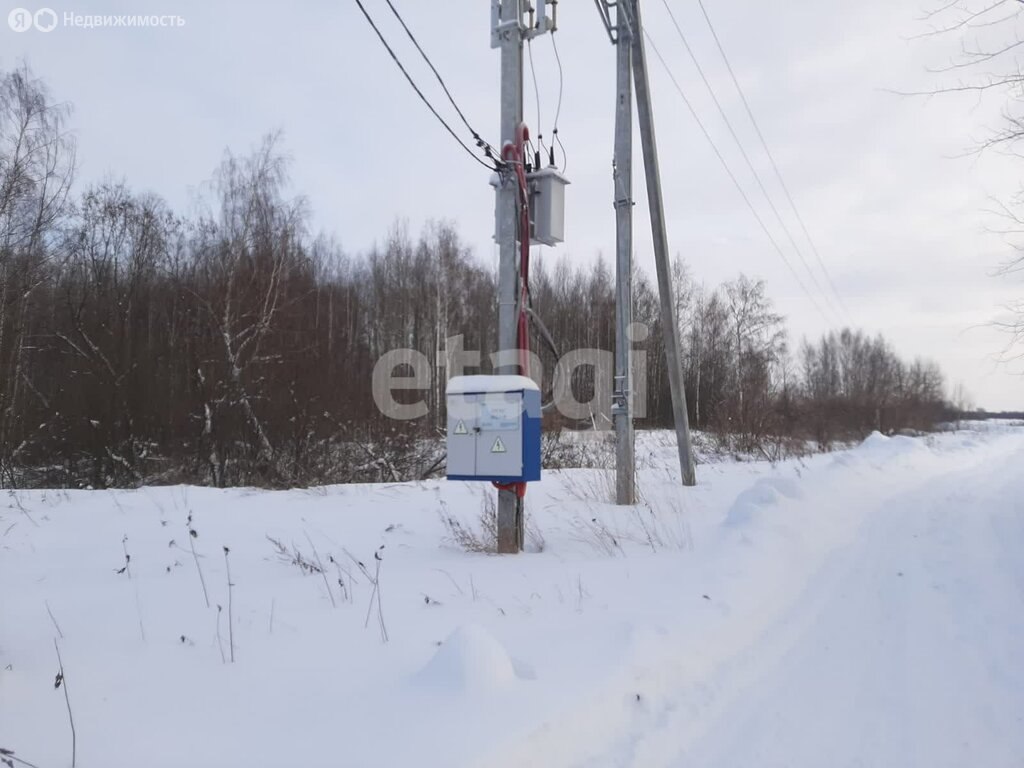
{"x": 234, "y": 347}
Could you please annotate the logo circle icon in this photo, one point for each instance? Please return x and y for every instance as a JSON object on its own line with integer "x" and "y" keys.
{"x": 45, "y": 19}
{"x": 20, "y": 19}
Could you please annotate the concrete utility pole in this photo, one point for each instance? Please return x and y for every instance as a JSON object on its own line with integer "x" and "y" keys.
{"x": 509, "y": 37}
{"x": 625, "y": 459}
{"x": 668, "y": 320}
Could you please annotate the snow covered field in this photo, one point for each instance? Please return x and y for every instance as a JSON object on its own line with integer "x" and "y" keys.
{"x": 863, "y": 608}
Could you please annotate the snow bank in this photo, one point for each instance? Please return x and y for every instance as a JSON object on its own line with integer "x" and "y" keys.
{"x": 764, "y": 493}
{"x": 470, "y": 660}
{"x": 630, "y": 638}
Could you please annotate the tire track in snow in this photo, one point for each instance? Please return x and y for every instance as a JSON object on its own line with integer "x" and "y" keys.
{"x": 917, "y": 662}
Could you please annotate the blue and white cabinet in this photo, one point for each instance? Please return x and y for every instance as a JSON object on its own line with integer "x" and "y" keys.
{"x": 493, "y": 429}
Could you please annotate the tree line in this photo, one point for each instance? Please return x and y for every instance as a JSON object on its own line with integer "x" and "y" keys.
{"x": 234, "y": 346}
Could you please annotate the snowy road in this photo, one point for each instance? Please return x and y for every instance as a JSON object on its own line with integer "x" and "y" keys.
{"x": 907, "y": 649}
{"x": 911, "y": 650}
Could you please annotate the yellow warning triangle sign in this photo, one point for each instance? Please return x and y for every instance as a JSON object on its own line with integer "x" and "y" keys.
{"x": 460, "y": 428}
{"x": 498, "y": 447}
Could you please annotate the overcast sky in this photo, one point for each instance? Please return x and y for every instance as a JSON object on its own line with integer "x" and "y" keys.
{"x": 895, "y": 210}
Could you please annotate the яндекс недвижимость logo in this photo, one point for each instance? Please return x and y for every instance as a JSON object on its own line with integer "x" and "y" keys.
{"x": 22, "y": 19}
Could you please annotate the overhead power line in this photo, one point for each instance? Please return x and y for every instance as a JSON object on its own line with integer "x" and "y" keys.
{"x": 746, "y": 159}
{"x": 732, "y": 176}
{"x": 424, "y": 99}
{"x": 771, "y": 158}
{"x": 444, "y": 86}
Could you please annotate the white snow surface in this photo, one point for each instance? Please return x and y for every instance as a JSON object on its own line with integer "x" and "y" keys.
{"x": 864, "y": 608}
{"x": 462, "y": 385}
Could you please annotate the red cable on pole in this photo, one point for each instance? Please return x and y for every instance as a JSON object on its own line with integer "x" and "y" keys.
{"x": 513, "y": 153}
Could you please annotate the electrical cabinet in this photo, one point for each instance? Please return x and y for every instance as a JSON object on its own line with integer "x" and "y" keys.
{"x": 493, "y": 429}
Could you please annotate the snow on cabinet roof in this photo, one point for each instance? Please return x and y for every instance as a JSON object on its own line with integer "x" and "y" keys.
{"x": 464, "y": 385}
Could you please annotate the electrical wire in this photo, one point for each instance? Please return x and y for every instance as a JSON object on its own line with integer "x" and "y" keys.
{"x": 536, "y": 95}
{"x": 558, "y": 109}
{"x": 771, "y": 158}
{"x": 426, "y": 101}
{"x": 490, "y": 151}
{"x": 746, "y": 158}
{"x": 732, "y": 176}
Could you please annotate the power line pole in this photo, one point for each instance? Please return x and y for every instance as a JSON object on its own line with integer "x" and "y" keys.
{"x": 661, "y": 257}
{"x": 508, "y": 36}
{"x": 622, "y": 173}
